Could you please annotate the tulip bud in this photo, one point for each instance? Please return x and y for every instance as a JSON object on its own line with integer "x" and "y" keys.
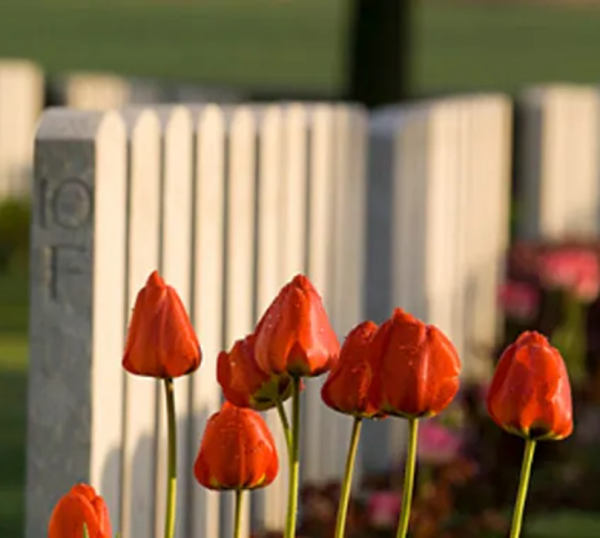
{"x": 530, "y": 394}
{"x": 80, "y": 508}
{"x": 416, "y": 368}
{"x": 348, "y": 384}
{"x": 237, "y": 451}
{"x": 295, "y": 335}
{"x": 161, "y": 341}
{"x": 244, "y": 384}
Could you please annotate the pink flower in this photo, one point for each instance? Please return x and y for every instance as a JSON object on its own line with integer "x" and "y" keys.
{"x": 519, "y": 300}
{"x": 437, "y": 444}
{"x": 384, "y": 509}
{"x": 573, "y": 269}
{"x": 588, "y": 285}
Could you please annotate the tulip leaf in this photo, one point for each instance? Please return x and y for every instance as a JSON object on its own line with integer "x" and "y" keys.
{"x": 86, "y": 534}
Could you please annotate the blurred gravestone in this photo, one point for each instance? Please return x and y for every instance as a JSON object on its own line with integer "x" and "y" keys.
{"x": 192, "y": 93}
{"x": 21, "y": 100}
{"x": 102, "y": 91}
{"x": 557, "y": 181}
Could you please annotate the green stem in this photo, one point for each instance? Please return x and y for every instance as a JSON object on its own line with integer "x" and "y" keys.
{"x": 340, "y": 526}
{"x": 517, "y": 520}
{"x": 290, "y": 528}
{"x": 239, "y": 500}
{"x": 172, "y": 460}
{"x": 287, "y": 432}
{"x": 409, "y": 478}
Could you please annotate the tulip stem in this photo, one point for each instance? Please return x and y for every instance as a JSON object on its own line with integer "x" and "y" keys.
{"x": 172, "y": 459}
{"x": 239, "y": 501}
{"x": 409, "y": 478}
{"x": 517, "y": 520}
{"x": 290, "y": 528}
{"x": 286, "y": 426}
{"x": 340, "y": 526}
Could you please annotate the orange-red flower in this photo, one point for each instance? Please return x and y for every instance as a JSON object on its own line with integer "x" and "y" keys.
{"x": 295, "y": 335}
{"x": 416, "y": 368}
{"x": 237, "y": 451}
{"x": 244, "y": 384}
{"x": 348, "y": 384}
{"x": 161, "y": 341}
{"x": 530, "y": 393}
{"x": 81, "y": 506}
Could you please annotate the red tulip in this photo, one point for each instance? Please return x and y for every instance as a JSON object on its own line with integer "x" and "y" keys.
{"x": 347, "y": 387}
{"x": 295, "y": 335}
{"x": 81, "y": 506}
{"x": 416, "y": 368}
{"x": 530, "y": 393}
{"x": 237, "y": 451}
{"x": 161, "y": 341}
{"x": 244, "y": 384}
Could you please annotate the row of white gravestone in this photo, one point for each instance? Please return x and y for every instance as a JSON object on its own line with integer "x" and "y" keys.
{"x": 22, "y": 91}
{"x": 558, "y": 155}
{"x": 228, "y": 204}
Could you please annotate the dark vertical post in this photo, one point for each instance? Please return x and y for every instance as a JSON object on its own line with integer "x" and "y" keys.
{"x": 379, "y": 51}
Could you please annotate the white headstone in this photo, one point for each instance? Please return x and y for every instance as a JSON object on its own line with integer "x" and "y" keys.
{"x": 105, "y": 91}
{"x": 270, "y": 505}
{"x": 139, "y": 443}
{"x": 21, "y": 101}
{"x": 239, "y": 251}
{"x": 77, "y": 311}
{"x": 176, "y": 267}
{"x": 209, "y": 286}
{"x": 558, "y": 178}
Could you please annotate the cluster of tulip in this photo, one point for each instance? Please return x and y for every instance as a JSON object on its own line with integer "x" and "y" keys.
{"x": 401, "y": 368}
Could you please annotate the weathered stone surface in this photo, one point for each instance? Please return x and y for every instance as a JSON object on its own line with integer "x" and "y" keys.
{"x": 77, "y": 310}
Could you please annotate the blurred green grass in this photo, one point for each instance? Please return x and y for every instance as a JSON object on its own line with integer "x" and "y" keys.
{"x": 13, "y": 393}
{"x": 300, "y": 44}
{"x": 564, "y": 525}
